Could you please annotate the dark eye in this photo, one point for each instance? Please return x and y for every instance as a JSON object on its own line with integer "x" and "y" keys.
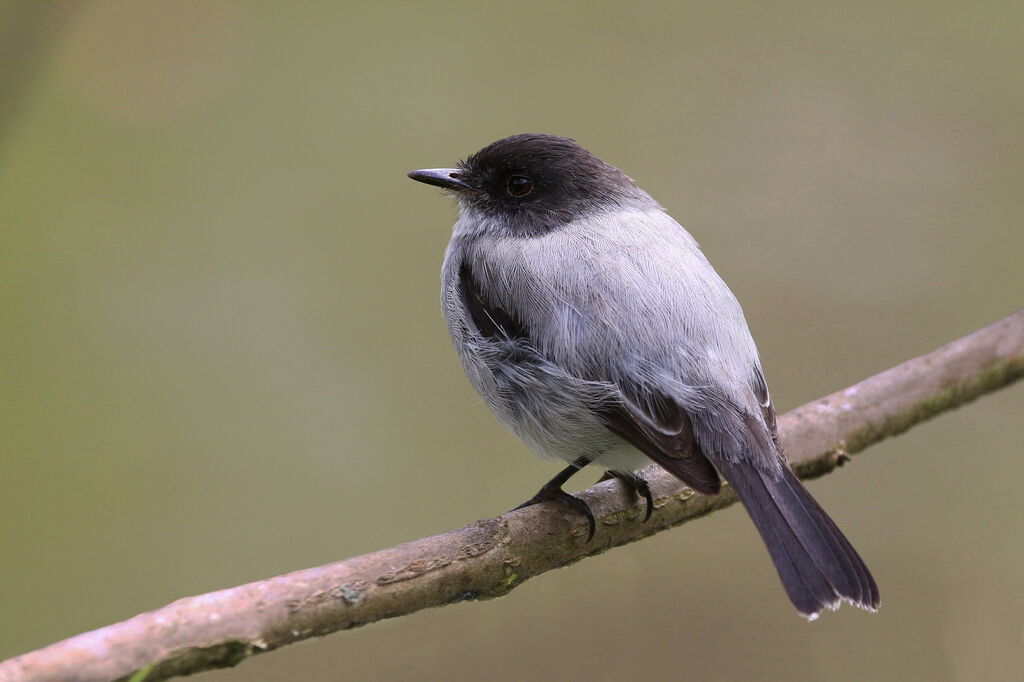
{"x": 519, "y": 185}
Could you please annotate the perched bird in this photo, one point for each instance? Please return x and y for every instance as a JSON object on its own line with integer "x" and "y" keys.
{"x": 595, "y": 329}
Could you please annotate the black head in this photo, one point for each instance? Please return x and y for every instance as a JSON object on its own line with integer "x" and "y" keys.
{"x": 534, "y": 183}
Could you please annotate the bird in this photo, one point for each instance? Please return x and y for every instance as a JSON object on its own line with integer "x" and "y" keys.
{"x": 595, "y": 329}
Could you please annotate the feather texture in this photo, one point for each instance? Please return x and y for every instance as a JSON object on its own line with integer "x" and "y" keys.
{"x": 603, "y": 333}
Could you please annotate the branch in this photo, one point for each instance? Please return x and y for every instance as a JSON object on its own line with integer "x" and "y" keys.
{"x": 488, "y": 558}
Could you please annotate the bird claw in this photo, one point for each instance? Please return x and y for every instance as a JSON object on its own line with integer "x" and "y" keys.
{"x": 635, "y": 484}
{"x": 558, "y": 495}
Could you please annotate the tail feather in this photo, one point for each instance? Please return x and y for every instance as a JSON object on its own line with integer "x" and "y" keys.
{"x": 837, "y": 560}
{"x": 807, "y": 587}
{"x": 816, "y": 563}
{"x": 863, "y": 590}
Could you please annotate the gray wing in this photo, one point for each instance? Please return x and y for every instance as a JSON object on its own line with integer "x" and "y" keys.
{"x": 661, "y": 428}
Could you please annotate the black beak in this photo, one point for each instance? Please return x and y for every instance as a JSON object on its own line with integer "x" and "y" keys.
{"x": 449, "y": 178}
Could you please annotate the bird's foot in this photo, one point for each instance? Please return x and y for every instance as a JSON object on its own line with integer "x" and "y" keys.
{"x": 635, "y": 484}
{"x": 552, "y": 492}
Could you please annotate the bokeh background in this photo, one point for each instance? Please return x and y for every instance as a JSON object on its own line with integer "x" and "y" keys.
{"x": 223, "y": 359}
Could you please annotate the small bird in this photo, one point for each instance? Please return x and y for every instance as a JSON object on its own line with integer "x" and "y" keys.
{"x": 597, "y": 332}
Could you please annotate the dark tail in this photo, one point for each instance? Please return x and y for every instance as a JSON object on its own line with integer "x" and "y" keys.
{"x": 818, "y": 566}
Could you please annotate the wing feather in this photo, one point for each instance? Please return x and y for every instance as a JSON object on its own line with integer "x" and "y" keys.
{"x": 661, "y": 429}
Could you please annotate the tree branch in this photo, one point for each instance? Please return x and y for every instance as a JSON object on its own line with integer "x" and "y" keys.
{"x": 489, "y": 558}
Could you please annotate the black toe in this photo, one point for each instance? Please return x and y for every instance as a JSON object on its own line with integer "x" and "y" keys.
{"x": 636, "y": 485}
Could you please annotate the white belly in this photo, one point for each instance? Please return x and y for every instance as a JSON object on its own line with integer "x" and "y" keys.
{"x": 622, "y": 457}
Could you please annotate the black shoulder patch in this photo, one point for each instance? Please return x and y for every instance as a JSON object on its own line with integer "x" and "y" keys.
{"x": 494, "y": 322}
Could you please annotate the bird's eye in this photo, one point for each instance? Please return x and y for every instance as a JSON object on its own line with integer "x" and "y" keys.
{"x": 519, "y": 185}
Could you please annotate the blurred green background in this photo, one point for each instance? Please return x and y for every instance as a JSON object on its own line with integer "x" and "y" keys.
{"x": 223, "y": 359}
